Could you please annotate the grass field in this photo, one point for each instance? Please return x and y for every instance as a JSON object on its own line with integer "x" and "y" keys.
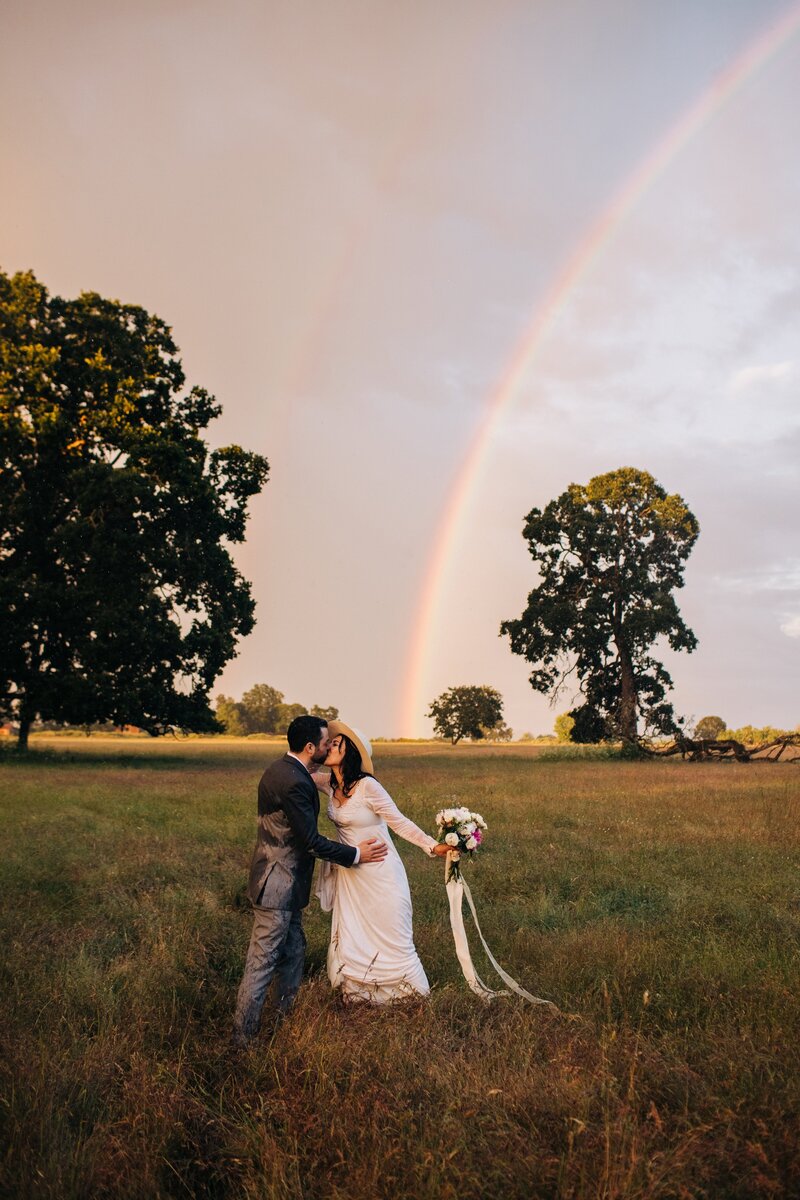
{"x": 656, "y": 903}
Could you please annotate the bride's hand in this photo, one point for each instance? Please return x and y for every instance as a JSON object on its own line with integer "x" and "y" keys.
{"x": 440, "y": 850}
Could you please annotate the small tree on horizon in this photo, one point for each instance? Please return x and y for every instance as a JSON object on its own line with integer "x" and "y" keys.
{"x": 471, "y": 711}
{"x": 709, "y": 728}
{"x": 609, "y": 554}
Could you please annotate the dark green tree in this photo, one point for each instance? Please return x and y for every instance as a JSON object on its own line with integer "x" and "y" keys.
{"x": 471, "y": 711}
{"x": 709, "y": 728}
{"x": 589, "y": 725}
{"x": 609, "y": 555}
{"x": 261, "y": 708}
{"x": 118, "y": 596}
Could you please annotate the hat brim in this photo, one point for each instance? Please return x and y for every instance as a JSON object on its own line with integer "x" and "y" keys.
{"x": 337, "y": 727}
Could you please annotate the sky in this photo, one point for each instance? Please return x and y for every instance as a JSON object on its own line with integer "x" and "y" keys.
{"x": 352, "y": 214}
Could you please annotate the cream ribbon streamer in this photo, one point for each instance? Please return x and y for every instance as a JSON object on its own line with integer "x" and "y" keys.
{"x": 457, "y": 888}
{"x": 325, "y": 886}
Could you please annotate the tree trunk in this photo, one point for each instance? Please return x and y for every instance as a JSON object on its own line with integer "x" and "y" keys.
{"x": 24, "y": 730}
{"x": 627, "y": 704}
{"x": 626, "y": 714}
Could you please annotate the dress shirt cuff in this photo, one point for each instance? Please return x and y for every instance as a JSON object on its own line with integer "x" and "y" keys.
{"x": 357, "y": 858}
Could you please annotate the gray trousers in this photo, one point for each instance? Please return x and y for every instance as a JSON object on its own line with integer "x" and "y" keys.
{"x": 277, "y": 951}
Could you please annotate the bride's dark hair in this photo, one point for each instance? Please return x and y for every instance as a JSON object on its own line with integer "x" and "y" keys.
{"x": 351, "y": 767}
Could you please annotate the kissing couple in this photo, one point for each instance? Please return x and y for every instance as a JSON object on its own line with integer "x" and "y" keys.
{"x": 371, "y": 956}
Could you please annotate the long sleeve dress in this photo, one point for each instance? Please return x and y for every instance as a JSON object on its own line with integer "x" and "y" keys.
{"x": 372, "y": 954}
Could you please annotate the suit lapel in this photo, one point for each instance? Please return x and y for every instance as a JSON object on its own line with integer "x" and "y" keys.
{"x": 287, "y": 758}
{"x": 301, "y": 770}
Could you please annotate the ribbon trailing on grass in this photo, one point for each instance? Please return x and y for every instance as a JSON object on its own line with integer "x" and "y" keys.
{"x": 457, "y": 888}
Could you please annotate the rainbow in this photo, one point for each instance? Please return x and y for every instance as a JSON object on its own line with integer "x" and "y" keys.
{"x": 756, "y": 55}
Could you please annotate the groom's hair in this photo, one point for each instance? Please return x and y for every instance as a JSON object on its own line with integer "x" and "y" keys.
{"x": 304, "y": 730}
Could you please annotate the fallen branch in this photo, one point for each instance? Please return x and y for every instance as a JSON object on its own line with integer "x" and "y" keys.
{"x": 728, "y": 750}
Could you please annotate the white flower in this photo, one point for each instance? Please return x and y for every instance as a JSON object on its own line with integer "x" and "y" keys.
{"x": 471, "y": 843}
{"x": 451, "y": 839}
{"x": 470, "y": 827}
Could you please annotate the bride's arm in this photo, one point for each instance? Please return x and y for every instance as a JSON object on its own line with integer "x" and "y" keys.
{"x": 322, "y": 780}
{"x": 384, "y": 806}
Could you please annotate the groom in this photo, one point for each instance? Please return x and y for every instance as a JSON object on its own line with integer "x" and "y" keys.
{"x": 280, "y": 872}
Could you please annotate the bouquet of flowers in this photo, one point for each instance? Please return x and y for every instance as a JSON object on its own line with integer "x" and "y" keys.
{"x": 462, "y": 831}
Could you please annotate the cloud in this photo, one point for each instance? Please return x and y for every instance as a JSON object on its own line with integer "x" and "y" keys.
{"x": 791, "y": 626}
{"x": 746, "y": 377}
{"x": 781, "y": 578}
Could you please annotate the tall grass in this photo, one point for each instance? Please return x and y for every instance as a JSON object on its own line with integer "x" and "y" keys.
{"x": 656, "y": 903}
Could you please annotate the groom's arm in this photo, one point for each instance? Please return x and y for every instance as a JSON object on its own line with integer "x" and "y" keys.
{"x": 300, "y": 814}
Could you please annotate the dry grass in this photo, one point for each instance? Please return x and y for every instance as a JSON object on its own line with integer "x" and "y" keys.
{"x": 124, "y": 927}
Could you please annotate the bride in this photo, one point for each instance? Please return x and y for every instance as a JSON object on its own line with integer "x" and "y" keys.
{"x": 372, "y": 954}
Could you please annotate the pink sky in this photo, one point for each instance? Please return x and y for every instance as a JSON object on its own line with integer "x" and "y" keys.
{"x": 349, "y": 214}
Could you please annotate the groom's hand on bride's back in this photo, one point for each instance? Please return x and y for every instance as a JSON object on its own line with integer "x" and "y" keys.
{"x": 372, "y": 850}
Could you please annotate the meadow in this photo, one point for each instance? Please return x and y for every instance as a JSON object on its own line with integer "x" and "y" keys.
{"x": 656, "y": 903}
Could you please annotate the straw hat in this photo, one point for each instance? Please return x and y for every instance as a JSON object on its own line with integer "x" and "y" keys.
{"x": 361, "y": 743}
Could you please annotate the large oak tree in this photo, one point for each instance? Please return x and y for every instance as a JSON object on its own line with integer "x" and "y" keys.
{"x": 118, "y": 596}
{"x": 610, "y": 555}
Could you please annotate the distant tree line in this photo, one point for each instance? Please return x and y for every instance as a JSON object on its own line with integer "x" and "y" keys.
{"x": 263, "y": 709}
{"x": 713, "y": 728}
{"x": 710, "y": 728}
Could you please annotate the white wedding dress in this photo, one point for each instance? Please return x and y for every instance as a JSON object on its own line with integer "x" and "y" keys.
{"x": 372, "y": 954}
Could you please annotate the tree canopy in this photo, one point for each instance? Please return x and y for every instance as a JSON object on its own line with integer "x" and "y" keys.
{"x": 709, "y": 728}
{"x": 564, "y": 725}
{"x": 261, "y": 707}
{"x": 609, "y": 554}
{"x": 119, "y": 597}
{"x": 471, "y": 711}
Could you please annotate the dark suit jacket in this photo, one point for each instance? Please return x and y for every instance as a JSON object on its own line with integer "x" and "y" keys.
{"x": 288, "y": 841}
